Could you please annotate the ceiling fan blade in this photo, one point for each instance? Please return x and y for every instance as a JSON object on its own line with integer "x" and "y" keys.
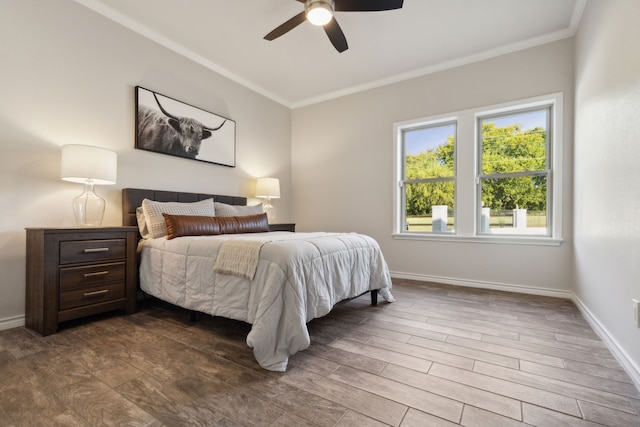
{"x": 367, "y": 5}
{"x": 286, "y": 27}
{"x": 335, "y": 34}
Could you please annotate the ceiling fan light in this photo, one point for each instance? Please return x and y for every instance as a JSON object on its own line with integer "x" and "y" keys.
{"x": 319, "y": 12}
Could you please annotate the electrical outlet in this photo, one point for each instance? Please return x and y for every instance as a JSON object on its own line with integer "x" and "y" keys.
{"x": 636, "y": 311}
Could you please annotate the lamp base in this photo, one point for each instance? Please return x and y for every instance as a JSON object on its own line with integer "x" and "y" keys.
{"x": 88, "y": 207}
{"x": 269, "y": 210}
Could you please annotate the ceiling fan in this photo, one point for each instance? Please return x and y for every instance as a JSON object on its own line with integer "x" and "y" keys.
{"x": 320, "y": 12}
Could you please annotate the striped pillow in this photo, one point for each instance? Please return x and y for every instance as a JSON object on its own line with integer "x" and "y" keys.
{"x": 155, "y": 221}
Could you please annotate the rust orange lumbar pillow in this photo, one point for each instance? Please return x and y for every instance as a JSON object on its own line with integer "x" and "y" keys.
{"x": 188, "y": 225}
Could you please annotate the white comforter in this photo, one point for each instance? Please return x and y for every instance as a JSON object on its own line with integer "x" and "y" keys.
{"x": 299, "y": 276}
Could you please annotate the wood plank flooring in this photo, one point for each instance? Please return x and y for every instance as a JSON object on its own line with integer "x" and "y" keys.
{"x": 439, "y": 356}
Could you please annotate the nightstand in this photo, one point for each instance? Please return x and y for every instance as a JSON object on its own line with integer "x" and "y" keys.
{"x": 76, "y": 272}
{"x": 282, "y": 227}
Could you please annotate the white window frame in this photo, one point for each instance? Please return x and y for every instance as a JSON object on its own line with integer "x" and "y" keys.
{"x": 402, "y": 181}
{"x": 468, "y": 205}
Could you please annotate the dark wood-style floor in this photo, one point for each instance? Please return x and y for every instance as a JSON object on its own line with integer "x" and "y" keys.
{"x": 439, "y": 356}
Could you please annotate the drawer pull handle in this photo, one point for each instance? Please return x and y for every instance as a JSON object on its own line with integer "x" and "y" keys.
{"x": 96, "y": 293}
{"x": 97, "y": 273}
{"x": 94, "y": 250}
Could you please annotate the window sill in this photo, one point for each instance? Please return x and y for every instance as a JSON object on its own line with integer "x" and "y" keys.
{"x": 499, "y": 240}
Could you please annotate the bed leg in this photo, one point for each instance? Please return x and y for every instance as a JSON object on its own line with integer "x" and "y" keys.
{"x": 374, "y": 297}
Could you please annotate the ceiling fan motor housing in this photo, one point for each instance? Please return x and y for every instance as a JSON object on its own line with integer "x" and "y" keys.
{"x": 319, "y": 12}
{"x": 325, "y": 10}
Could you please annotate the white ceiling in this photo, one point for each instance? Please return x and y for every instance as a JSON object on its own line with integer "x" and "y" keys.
{"x": 302, "y": 67}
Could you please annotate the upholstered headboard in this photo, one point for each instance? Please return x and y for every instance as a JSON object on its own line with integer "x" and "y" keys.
{"x": 132, "y": 198}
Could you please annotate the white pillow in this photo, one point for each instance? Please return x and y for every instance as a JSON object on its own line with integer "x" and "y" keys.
{"x": 142, "y": 223}
{"x": 155, "y": 221}
{"x": 223, "y": 209}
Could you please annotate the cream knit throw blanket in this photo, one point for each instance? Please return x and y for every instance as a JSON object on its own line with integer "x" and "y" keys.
{"x": 238, "y": 258}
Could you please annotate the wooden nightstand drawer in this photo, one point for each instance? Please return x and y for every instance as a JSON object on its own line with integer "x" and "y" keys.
{"x": 92, "y": 250}
{"x": 91, "y": 295}
{"x": 93, "y": 275}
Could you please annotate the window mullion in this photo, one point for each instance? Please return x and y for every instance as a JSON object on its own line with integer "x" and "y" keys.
{"x": 514, "y": 174}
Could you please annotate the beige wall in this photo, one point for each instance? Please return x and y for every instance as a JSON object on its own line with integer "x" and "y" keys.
{"x": 607, "y": 175}
{"x": 342, "y": 157}
{"x": 68, "y": 77}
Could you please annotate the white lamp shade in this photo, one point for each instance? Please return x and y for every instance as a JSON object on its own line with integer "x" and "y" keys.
{"x": 268, "y": 187}
{"x": 84, "y": 162}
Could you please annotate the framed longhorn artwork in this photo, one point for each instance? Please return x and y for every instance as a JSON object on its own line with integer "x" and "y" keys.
{"x": 168, "y": 126}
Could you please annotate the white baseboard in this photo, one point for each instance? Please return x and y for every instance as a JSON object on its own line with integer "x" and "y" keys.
{"x": 11, "y": 322}
{"x": 485, "y": 285}
{"x": 618, "y": 351}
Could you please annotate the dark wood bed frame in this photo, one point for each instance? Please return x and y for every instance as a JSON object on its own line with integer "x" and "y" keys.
{"x": 132, "y": 198}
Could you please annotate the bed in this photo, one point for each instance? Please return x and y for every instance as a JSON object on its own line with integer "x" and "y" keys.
{"x": 225, "y": 262}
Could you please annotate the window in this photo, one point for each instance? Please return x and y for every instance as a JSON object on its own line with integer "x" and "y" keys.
{"x": 513, "y": 172}
{"x": 490, "y": 174}
{"x": 428, "y": 183}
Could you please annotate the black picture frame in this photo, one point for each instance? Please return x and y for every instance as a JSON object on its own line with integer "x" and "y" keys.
{"x": 168, "y": 126}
